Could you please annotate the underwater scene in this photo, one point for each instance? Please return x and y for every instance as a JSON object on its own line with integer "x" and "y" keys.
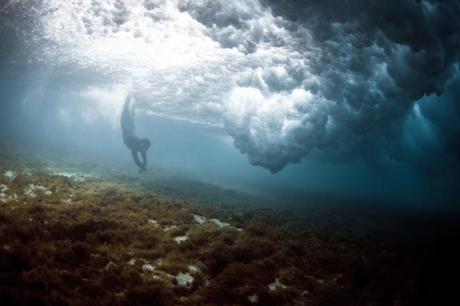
{"x": 246, "y": 152}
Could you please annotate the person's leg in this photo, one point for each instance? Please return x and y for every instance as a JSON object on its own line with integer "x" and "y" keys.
{"x": 127, "y": 118}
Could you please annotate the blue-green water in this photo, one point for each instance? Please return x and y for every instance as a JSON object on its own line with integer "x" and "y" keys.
{"x": 269, "y": 114}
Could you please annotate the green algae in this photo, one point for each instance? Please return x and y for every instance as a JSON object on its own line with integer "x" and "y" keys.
{"x": 96, "y": 241}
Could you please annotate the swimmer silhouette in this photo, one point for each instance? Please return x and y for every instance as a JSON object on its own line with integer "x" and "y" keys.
{"x": 135, "y": 144}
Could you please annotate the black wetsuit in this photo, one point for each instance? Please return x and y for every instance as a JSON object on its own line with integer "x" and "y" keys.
{"x": 135, "y": 144}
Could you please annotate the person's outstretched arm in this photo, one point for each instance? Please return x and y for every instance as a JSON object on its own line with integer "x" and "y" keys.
{"x": 144, "y": 160}
{"x": 137, "y": 161}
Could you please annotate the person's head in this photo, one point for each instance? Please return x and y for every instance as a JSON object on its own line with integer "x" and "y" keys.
{"x": 144, "y": 144}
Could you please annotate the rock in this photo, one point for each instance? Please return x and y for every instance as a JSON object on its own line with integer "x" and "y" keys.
{"x": 111, "y": 265}
{"x": 3, "y": 189}
{"x": 169, "y": 227}
{"x": 153, "y": 222}
{"x": 194, "y": 269}
{"x": 184, "y": 279}
{"x": 219, "y": 223}
{"x": 32, "y": 188}
{"x": 276, "y": 285}
{"x": 253, "y": 298}
{"x": 148, "y": 268}
{"x": 29, "y": 192}
{"x": 199, "y": 219}
{"x": 67, "y": 201}
{"x": 10, "y": 175}
{"x": 180, "y": 239}
{"x": 14, "y": 197}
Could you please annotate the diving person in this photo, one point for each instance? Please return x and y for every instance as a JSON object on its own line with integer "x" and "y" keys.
{"x": 135, "y": 144}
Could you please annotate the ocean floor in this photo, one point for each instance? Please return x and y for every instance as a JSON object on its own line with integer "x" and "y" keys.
{"x": 71, "y": 237}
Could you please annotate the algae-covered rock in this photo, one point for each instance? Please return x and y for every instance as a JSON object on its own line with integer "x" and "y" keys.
{"x": 10, "y": 175}
{"x": 276, "y": 285}
{"x": 108, "y": 241}
{"x": 184, "y": 280}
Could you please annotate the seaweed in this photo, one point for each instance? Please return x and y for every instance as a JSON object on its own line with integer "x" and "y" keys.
{"x": 106, "y": 241}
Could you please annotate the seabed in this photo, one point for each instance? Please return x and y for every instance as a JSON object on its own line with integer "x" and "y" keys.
{"x": 67, "y": 238}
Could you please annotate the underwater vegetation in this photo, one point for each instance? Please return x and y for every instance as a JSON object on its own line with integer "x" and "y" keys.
{"x": 67, "y": 239}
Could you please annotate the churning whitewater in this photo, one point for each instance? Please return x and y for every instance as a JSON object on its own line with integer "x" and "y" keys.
{"x": 285, "y": 80}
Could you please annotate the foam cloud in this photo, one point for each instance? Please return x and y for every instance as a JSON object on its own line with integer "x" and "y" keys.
{"x": 102, "y": 104}
{"x": 367, "y": 66}
{"x": 280, "y": 127}
{"x": 284, "y": 78}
